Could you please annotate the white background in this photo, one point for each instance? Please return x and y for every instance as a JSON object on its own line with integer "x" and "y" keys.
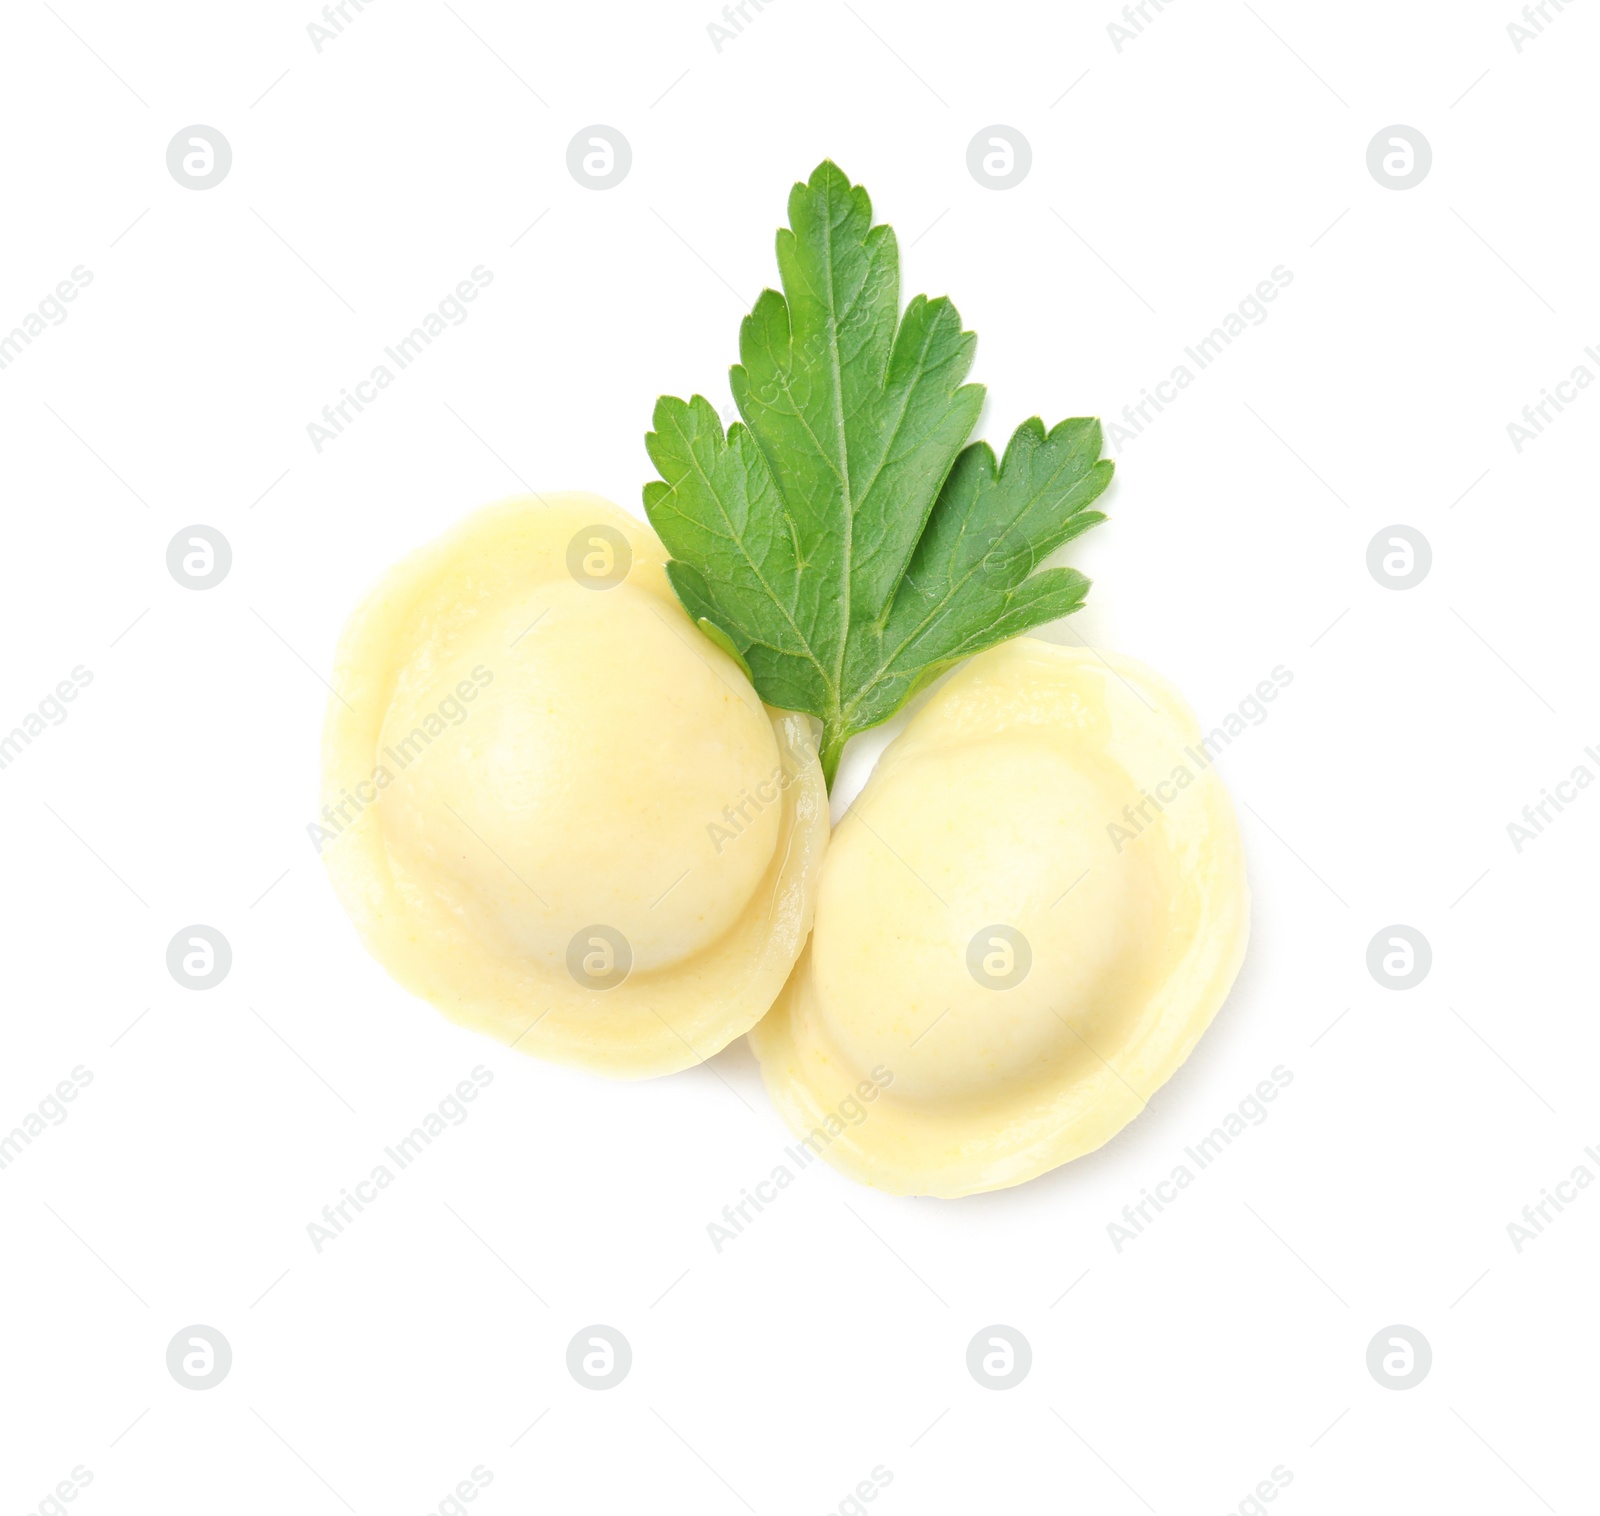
{"x": 1167, "y": 180}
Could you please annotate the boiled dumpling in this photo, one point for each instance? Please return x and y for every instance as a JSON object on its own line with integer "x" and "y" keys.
{"x": 554, "y": 808}
{"x": 1024, "y": 923}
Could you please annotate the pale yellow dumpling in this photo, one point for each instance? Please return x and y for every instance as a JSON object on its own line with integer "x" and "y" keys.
{"x": 1024, "y": 923}
{"x": 586, "y": 836}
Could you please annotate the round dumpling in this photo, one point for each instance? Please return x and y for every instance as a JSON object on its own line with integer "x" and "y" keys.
{"x": 1024, "y": 923}
{"x": 554, "y": 808}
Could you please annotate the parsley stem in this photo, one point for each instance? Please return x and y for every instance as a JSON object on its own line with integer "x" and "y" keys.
{"x": 833, "y": 741}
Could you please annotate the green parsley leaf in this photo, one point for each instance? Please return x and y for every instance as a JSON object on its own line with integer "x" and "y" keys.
{"x": 844, "y": 543}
